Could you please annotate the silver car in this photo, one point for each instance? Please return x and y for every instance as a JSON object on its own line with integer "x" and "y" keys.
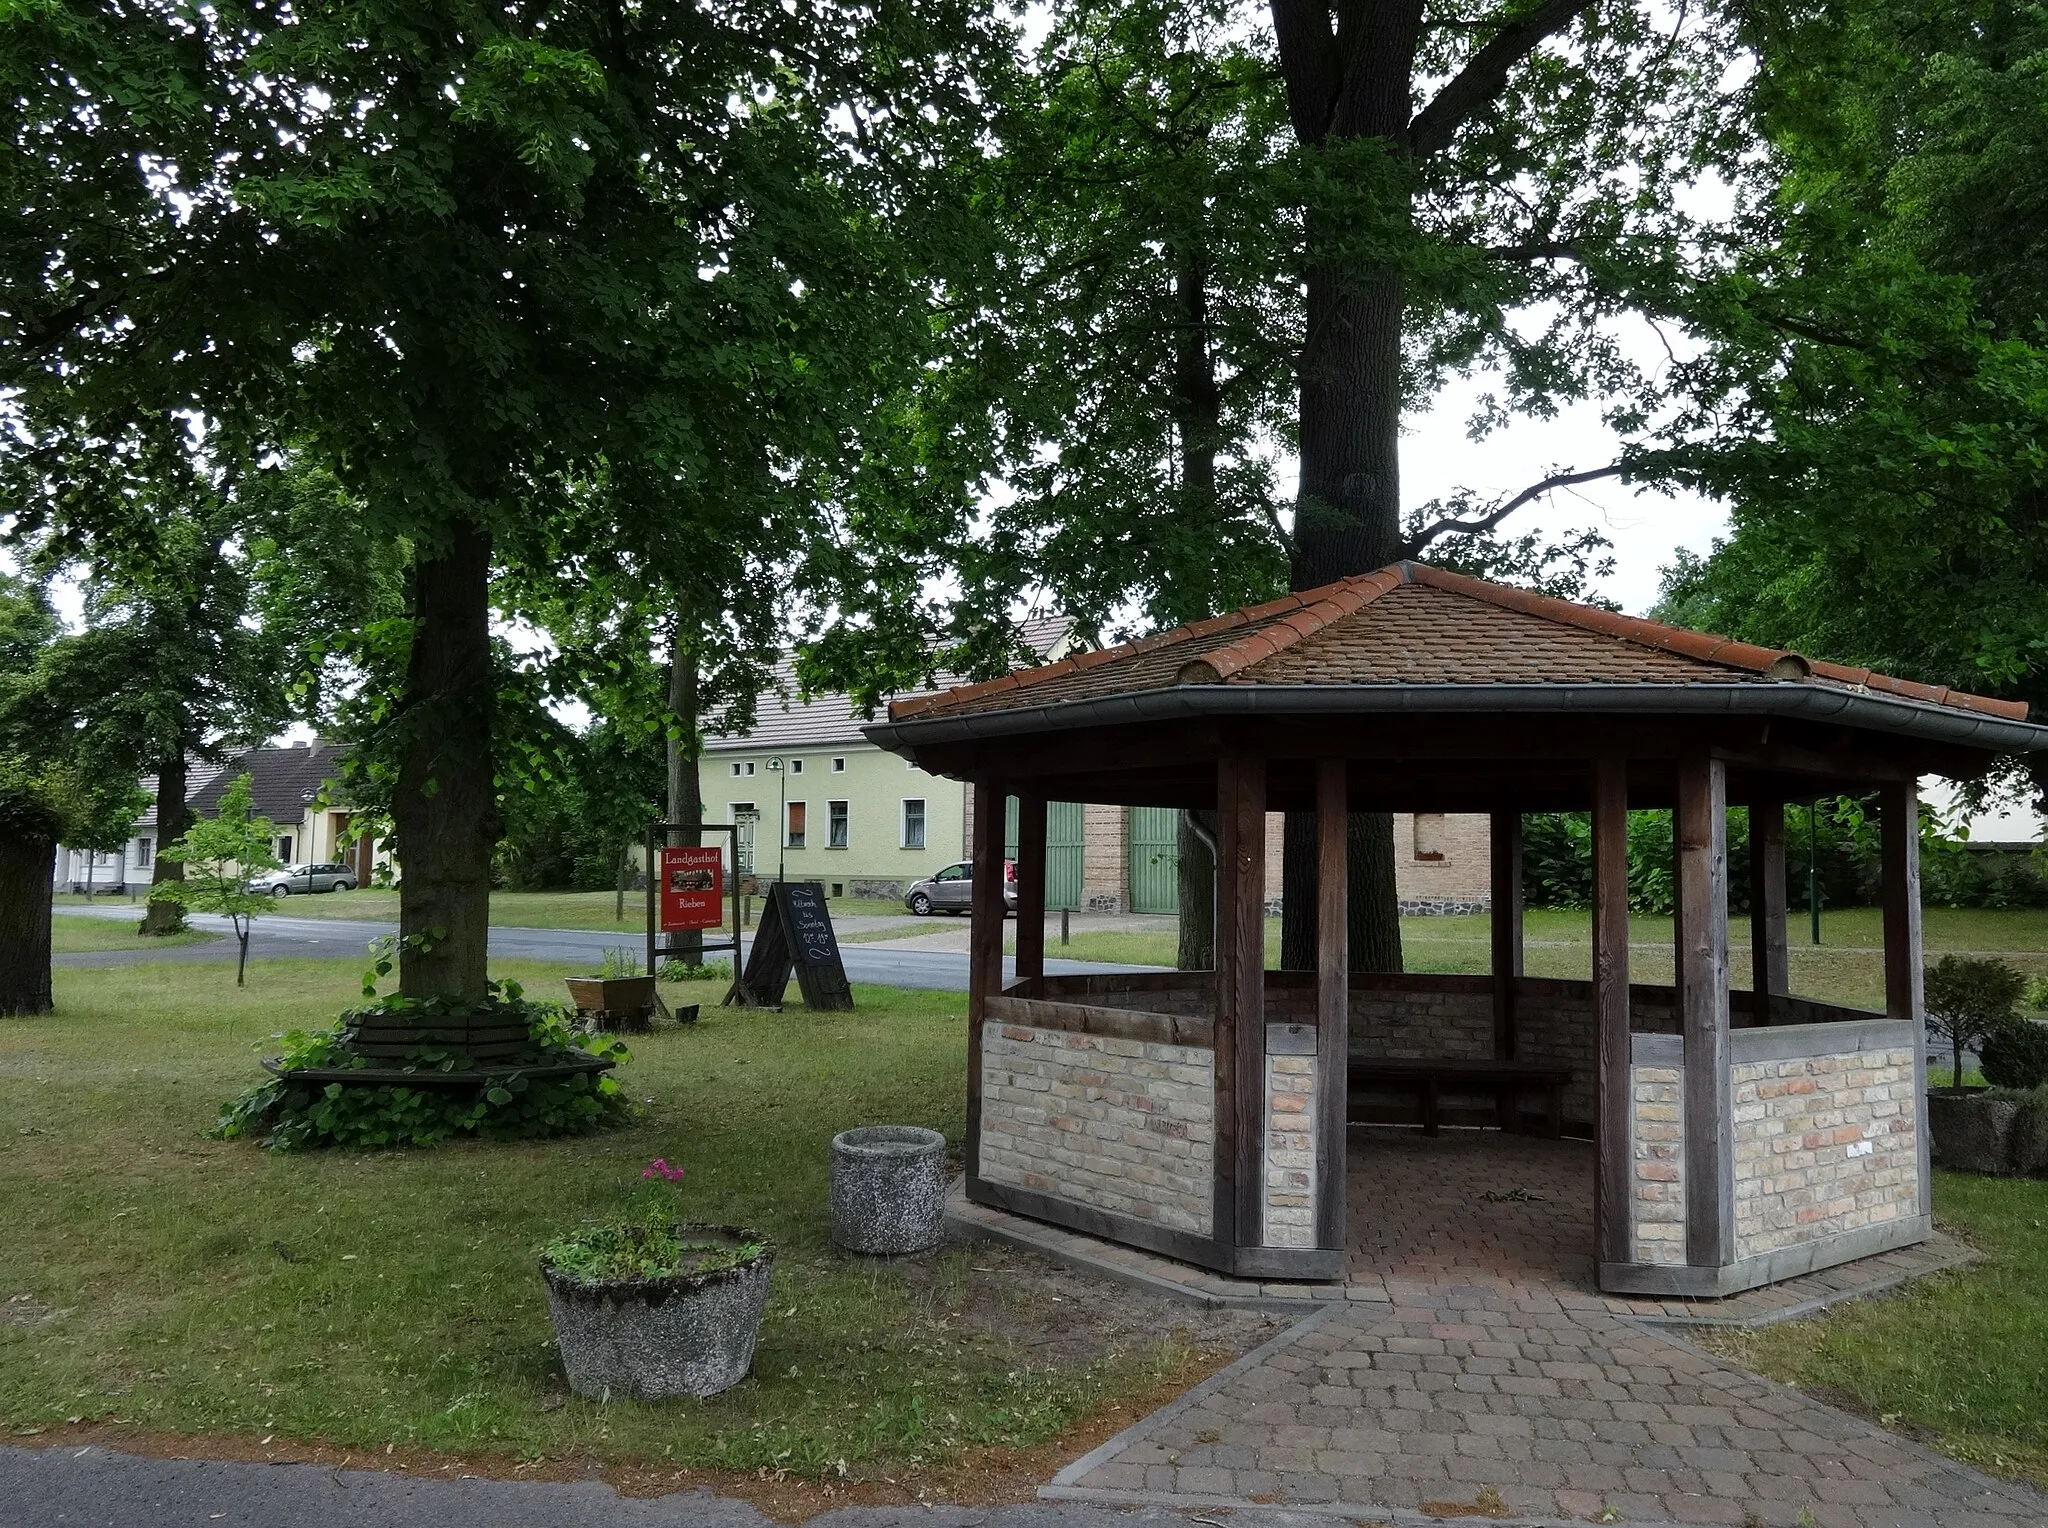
{"x": 952, "y": 890}
{"x": 304, "y": 878}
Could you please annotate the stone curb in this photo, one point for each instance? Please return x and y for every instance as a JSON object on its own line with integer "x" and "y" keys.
{"x": 1244, "y": 1514}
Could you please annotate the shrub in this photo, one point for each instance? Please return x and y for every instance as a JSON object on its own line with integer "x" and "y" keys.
{"x": 296, "y": 1115}
{"x": 1967, "y": 998}
{"x": 2015, "y": 1054}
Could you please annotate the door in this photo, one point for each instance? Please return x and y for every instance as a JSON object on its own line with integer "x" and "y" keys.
{"x": 1155, "y": 859}
{"x": 1063, "y": 823}
{"x": 952, "y": 888}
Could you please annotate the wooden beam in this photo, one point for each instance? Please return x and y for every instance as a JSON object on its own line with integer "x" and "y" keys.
{"x": 1506, "y": 921}
{"x": 1030, "y": 886}
{"x": 984, "y": 944}
{"x": 1614, "y": 1167}
{"x": 1240, "y": 998}
{"x": 1770, "y": 974}
{"x": 1904, "y": 994}
{"x": 1701, "y": 824}
{"x": 1333, "y": 999}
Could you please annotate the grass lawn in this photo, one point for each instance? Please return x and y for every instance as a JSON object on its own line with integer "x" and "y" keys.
{"x": 1847, "y": 967}
{"x": 1960, "y": 1359}
{"x": 538, "y": 909}
{"x": 75, "y": 936}
{"x": 151, "y": 1276}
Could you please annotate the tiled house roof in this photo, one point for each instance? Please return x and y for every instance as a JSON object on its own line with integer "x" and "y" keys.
{"x": 1411, "y": 624}
{"x": 783, "y": 719}
{"x": 282, "y": 781}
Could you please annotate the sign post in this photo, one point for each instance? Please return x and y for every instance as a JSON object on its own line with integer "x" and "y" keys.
{"x": 686, "y": 886}
{"x": 795, "y": 936}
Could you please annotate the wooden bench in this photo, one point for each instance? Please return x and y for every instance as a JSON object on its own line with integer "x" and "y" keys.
{"x": 1506, "y": 1080}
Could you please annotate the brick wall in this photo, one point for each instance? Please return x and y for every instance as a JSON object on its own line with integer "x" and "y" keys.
{"x": 1823, "y": 1144}
{"x": 1659, "y": 1151}
{"x": 1554, "y": 1027}
{"x": 1443, "y": 863}
{"x": 1105, "y": 859}
{"x": 1290, "y": 1151}
{"x": 1126, "y": 1126}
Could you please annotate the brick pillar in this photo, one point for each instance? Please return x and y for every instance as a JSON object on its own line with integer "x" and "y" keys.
{"x": 1105, "y": 859}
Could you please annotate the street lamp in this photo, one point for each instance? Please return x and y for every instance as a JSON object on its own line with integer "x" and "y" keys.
{"x": 781, "y": 820}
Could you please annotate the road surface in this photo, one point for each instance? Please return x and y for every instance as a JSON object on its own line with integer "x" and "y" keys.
{"x": 281, "y": 936}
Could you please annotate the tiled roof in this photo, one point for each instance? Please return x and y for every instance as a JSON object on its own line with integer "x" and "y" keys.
{"x": 1413, "y": 624}
{"x": 282, "y": 781}
{"x": 782, "y": 720}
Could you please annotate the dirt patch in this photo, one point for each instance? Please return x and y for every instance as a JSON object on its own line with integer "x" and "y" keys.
{"x": 1057, "y": 1312}
{"x": 1044, "y": 1306}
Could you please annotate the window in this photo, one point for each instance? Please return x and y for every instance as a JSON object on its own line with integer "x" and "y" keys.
{"x": 735, "y": 768}
{"x": 145, "y": 852}
{"x": 741, "y": 768}
{"x": 796, "y": 766}
{"x": 1429, "y": 836}
{"x": 835, "y": 825}
{"x": 794, "y": 839}
{"x": 284, "y": 847}
{"x": 839, "y": 766}
{"x": 954, "y": 873}
{"x": 913, "y": 823}
{"x": 839, "y": 888}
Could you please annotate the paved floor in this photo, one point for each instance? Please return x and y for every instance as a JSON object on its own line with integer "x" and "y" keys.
{"x": 1474, "y": 1371}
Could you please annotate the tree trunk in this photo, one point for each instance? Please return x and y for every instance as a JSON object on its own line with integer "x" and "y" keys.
{"x": 173, "y": 819}
{"x": 619, "y": 897}
{"x": 444, "y": 808}
{"x": 242, "y": 955}
{"x": 1347, "y": 520}
{"x": 28, "y": 867}
{"x": 685, "y": 788}
{"x": 1197, "y": 885}
{"x": 90, "y": 856}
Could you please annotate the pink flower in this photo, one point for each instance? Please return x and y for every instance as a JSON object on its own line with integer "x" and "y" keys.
{"x": 659, "y": 1168}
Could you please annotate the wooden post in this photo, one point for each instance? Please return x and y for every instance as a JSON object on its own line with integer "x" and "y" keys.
{"x": 1614, "y": 1197}
{"x": 1770, "y": 974}
{"x": 1904, "y": 997}
{"x": 1240, "y": 998}
{"x": 1030, "y": 887}
{"x": 1333, "y": 1000}
{"x": 1701, "y": 960}
{"x": 1506, "y": 921}
{"x": 984, "y": 946}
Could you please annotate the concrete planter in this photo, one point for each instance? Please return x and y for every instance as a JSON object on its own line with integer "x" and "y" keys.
{"x": 888, "y": 1189}
{"x": 649, "y": 1339}
{"x": 1971, "y": 1132}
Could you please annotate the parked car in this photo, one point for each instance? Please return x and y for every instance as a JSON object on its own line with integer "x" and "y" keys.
{"x": 952, "y": 890}
{"x": 304, "y": 878}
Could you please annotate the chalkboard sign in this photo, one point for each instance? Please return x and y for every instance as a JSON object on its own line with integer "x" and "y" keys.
{"x": 795, "y": 934}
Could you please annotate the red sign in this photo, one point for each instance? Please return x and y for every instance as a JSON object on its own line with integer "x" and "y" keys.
{"x": 692, "y": 888}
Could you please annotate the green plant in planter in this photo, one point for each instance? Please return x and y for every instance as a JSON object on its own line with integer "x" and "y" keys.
{"x": 2015, "y": 1053}
{"x": 653, "y": 1243}
{"x": 293, "y": 1115}
{"x": 1967, "y": 998}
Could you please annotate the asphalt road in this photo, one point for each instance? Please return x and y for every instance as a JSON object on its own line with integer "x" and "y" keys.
{"x": 94, "y": 1488}
{"x": 281, "y": 936}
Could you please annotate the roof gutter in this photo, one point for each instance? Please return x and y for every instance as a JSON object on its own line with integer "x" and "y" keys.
{"x": 1805, "y": 702}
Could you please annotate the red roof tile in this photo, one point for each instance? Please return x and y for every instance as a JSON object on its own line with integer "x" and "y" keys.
{"x": 1413, "y": 624}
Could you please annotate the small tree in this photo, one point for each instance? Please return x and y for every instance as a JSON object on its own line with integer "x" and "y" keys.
{"x": 220, "y": 854}
{"x": 1969, "y": 998}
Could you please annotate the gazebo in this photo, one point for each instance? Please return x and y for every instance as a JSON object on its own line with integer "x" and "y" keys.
{"x": 1740, "y": 1136}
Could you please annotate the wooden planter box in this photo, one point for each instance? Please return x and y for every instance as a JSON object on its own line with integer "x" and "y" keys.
{"x": 614, "y": 1002}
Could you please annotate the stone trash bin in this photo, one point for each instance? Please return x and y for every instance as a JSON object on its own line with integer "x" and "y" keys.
{"x": 888, "y": 1189}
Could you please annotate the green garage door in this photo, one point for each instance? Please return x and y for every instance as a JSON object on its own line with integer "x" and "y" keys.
{"x": 1155, "y": 859}
{"x": 1062, "y": 851}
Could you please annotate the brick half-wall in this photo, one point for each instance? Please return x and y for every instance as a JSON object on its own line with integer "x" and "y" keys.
{"x": 1657, "y": 1154}
{"x": 1119, "y": 1125}
{"x": 1824, "y": 1144}
{"x": 1290, "y": 1150}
